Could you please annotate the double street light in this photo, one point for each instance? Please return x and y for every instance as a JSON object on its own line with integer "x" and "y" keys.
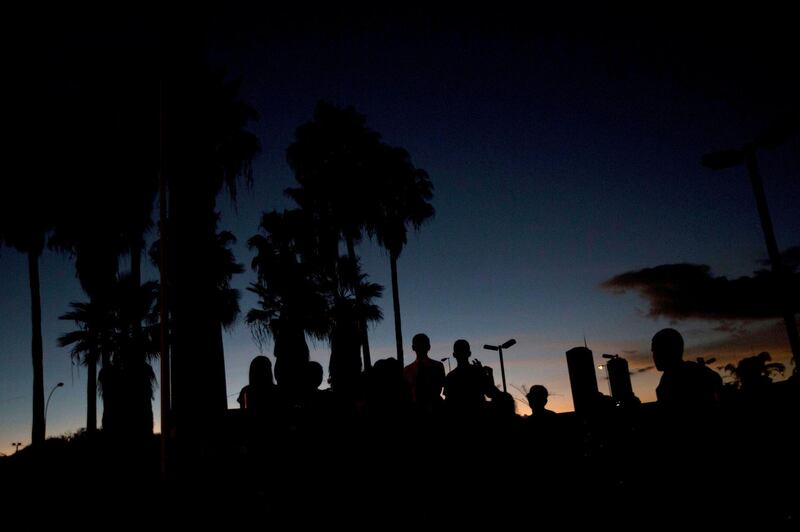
{"x": 747, "y": 155}
{"x": 499, "y": 349}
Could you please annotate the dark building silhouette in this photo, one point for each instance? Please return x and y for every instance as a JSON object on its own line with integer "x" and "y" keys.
{"x": 582, "y": 378}
{"x": 619, "y": 377}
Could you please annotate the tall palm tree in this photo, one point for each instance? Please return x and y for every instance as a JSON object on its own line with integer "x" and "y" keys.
{"x": 331, "y": 160}
{"x": 224, "y": 265}
{"x": 34, "y": 111}
{"x": 26, "y": 233}
{"x": 109, "y": 330}
{"x": 96, "y": 248}
{"x": 205, "y": 148}
{"x": 137, "y": 345}
{"x": 27, "y": 210}
{"x": 89, "y": 342}
{"x": 353, "y": 305}
{"x": 404, "y": 201}
{"x": 110, "y": 176}
{"x": 291, "y": 290}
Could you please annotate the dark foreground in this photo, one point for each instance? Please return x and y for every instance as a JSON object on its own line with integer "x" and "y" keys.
{"x": 635, "y": 467}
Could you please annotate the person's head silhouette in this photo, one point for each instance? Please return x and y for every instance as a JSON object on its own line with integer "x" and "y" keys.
{"x": 461, "y": 350}
{"x": 667, "y": 348}
{"x": 421, "y": 344}
{"x": 537, "y": 397}
{"x": 260, "y": 371}
{"x": 314, "y": 375}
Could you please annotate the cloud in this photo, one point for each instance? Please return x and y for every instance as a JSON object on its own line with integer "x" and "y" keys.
{"x": 683, "y": 291}
{"x": 750, "y": 340}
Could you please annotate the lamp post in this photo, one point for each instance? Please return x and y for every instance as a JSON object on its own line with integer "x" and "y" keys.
{"x": 47, "y": 404}
{"x": 747, "y": 155}
{"x": 448, "y": 363}
{"x": 499, "y": 349}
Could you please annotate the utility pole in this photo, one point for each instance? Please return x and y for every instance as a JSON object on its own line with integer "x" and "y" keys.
{"x": 747, "y": 155}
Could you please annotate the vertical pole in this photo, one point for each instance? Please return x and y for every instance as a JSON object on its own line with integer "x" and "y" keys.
{"x": 774, "y": 255}
{"x": 398, "y": 334}
{"x": 502, "y": 369}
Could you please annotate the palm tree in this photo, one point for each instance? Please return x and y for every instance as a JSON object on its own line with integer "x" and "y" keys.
{"x": 36, "y": 114}
{"x": 110, "y": 178}
{"x": 331, "y": 158}
{"x": 109, "y": 330}
{"x": 26, "y": 218}
{"x": 225, "y": 266}
{"x": 205, "y": 149}
{"x": 403, "y": 201}
{"x": 26, "y": 234}
{"x": 137, "y": 346}
{"x": 353, "y": 305}
{"x": 96, "y": 248}
{"x": 292, "y": 300}
{"x": 89, "y": 342}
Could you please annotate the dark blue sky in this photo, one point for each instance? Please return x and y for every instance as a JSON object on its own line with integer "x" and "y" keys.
{"x": 562, "y": 153}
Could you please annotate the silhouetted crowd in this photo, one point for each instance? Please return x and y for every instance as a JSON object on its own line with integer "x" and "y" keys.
{"x": 418, "y": 443}
{"x": 419, "y": 447}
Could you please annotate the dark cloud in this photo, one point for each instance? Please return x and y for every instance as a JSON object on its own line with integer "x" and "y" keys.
{"x": 682, "y": 291}
{"x": 750, "y": 340}
{"x": 733, "y": 327}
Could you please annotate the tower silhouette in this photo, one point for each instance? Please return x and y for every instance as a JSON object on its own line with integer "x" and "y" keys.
{"x": 619, "y": 377}
{"x": 582, "y": 378}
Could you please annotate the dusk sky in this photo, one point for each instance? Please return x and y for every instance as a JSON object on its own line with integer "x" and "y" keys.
{"x": 563, "y": 153}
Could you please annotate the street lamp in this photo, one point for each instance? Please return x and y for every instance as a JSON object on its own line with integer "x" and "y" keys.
{"x": 47, "y": 404}
{"x": 747, "y": 155}
{"x": 499, "y": 349}
{"x": 448, "y": 363}
{"x": 17, "y": 445}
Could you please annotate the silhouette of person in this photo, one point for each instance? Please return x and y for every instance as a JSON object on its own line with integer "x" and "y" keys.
{"x": 258, "y": 396}
{"x": 424, "y": 376}
{"x": 537, "y": 399}
{"x": 465, "y": 387}
{"x": 388, "y": 399}
{"x": 545, "y": 431}
{"x": 684, "y": 384}
{"x": 687, "y": 395}
{"x": 307, "y": 411}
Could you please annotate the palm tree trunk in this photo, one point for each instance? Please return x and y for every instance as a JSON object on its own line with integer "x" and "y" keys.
{"x": 398, "y": 332}
{"x": 107, "y": 388}
{"x": 136, "y": 262}
{"x": 136, "y": 276}
{"x": 141, "y": 406}
{"x": 198, "y": 387}
{"x": 362, "y": 323}
{"x": 91, "y": 394}
{"x": 38, "y": 428}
